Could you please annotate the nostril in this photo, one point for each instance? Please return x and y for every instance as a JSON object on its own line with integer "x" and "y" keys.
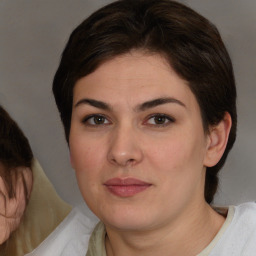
{"x": 130, "y": 161}
{"x": 123, "y": 162}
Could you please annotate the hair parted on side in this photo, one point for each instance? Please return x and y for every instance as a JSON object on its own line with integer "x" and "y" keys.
{"x": 190, "y": 43}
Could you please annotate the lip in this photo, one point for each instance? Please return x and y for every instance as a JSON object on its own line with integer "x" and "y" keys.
{"x": 126, "y": 187}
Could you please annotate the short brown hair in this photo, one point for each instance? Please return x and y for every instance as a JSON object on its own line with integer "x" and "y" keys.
{"x": 191, "y": 44}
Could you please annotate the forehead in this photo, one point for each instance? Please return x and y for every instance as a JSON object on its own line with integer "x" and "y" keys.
{"x": 133, "y": 77}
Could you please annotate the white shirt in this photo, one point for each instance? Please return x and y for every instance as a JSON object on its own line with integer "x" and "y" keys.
{"x": 237, "y": 236}
{"x": 70, "y": 238}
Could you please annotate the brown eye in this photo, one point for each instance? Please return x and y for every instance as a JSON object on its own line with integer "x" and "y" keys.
{"x": 96, "y": 120}
{"x": 160, "y": 120}
{"x": 99, "y": 119}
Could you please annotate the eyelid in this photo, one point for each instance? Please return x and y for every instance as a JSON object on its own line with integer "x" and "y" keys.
{"x": 163, "y": 115}
{"x": 168, "y": 117}
{"x": 88, "y": 117}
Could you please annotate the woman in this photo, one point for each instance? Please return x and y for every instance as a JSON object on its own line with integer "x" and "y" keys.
{"x": 147, "y": 97}
{"x": 30, "y": 208}
{"x": 15, "y": 175}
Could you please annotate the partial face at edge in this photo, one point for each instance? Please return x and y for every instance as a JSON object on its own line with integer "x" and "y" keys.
{"x": 134, "y": 120}
{"x": 13, "y": 208}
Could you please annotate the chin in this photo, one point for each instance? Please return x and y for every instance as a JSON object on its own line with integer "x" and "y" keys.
{"x": 128, "y": 219}
{"x": 126, "y": 224}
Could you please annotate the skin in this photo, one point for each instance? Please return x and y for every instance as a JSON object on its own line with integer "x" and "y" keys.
{"x": 12, "y": 207}
{"x": 163, "y": 144}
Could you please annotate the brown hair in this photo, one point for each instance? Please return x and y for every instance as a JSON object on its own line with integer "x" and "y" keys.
{"x": 15, "y": 150}
{"x": 191, "y": 44}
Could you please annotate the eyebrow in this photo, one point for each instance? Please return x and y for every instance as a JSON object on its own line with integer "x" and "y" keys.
{"x": 94, "y": 103}
{"x": 141, "y": 107}
{"x": 156, "y": 102}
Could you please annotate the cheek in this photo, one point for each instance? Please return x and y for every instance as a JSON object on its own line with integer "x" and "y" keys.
{"x": 87, "y": 161}
{"x": 171, "y": 153}
{"x": 179, "y": 156}
{"x": 85, "y": 153}
{"x": 179, "y": 169}
{"x": 86, "y": 168}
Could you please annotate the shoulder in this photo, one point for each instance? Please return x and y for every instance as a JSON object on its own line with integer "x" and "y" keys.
{"x": 246, "y": 209}
{"x": 245, "y": 218}
{"x": 240, "y": 236}
{"x": 73, "y": 233}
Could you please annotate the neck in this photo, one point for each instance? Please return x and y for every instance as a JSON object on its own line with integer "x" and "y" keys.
{"x": 188, "y": 235}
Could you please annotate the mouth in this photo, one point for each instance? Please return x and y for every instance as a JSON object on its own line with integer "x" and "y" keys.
{"x": 126, "y": 187}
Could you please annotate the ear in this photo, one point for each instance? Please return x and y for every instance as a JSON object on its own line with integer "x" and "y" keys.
{"x": 217, "y": 141}
{"x": 28, "y": 179}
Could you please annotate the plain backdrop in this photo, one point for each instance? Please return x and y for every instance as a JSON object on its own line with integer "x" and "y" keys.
{"x": 33, "y": 34}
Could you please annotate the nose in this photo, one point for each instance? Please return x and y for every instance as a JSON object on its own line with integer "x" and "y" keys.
{"x": 125, "y": 149}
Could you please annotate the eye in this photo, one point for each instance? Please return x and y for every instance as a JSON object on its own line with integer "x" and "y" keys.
{"x": 160, "y": 120}
{"x": 96, "y": 120}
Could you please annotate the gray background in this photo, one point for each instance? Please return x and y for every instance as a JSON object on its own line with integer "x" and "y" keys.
{"x": 32, "y": 36}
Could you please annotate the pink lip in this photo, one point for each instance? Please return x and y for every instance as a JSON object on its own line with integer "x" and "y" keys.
{"x": 126, "y": 187}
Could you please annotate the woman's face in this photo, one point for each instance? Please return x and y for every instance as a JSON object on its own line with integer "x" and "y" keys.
{"x": 12, "y": 208}
{"x": 137, "y": 143}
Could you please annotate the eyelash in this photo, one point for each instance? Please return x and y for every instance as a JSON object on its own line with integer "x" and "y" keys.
{"x": 167, "y": 120}
{"x": 87, "y": 118}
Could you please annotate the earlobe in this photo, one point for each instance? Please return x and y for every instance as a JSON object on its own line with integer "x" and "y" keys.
{"x": 217, "y": 141}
